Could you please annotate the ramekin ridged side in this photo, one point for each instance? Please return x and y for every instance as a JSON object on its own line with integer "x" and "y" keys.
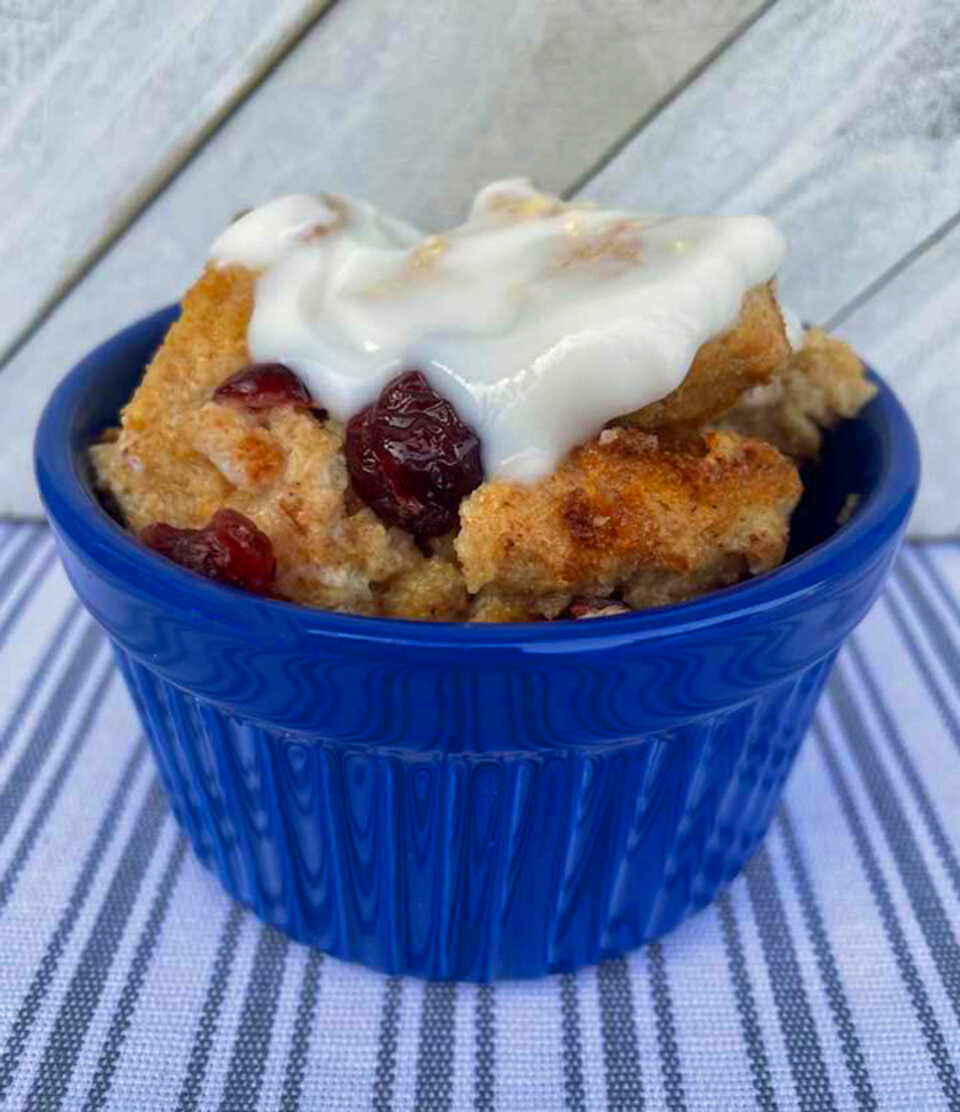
{"x": 472, "y": 866}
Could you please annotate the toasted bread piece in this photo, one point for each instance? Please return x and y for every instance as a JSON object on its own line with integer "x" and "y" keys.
{"x": 431, "y": 591}
{"x": 633, "y": 514}
{"x": 724, "y": 368}
{"x": 820, "y": 385}
{"x": 152, "y": 468}
{"x": 178, "y": 458}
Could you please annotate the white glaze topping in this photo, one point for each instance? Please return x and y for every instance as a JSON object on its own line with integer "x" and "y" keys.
{"x": 540, "y": 321}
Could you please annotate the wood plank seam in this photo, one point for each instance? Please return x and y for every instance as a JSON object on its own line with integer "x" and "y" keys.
{"x": 661, "y": 105}
{"x": 887, "y": 276}
{"x": 141, "y": 201}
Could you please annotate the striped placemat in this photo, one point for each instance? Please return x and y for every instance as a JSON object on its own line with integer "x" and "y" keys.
{"x": 828, "y": 977}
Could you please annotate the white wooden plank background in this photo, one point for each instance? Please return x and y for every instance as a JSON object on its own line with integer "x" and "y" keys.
{"x": 97, "y": 126}
{"x": 839, "y": 118}
{"x": 912, "y": 324}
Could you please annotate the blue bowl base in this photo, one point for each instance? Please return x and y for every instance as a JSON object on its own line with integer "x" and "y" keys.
{"x": 462, "y": 867}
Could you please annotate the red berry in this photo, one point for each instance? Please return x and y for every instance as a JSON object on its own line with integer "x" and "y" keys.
{"x": 230, "y": 549}
{"x": 411, "y": 458}
{"x": 262, "y": 386}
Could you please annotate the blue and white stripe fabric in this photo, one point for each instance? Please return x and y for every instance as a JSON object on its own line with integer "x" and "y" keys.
{"x": 828, "y": 977}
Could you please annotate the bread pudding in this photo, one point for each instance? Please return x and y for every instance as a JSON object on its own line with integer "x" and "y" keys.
{"x": 550, "y": 411}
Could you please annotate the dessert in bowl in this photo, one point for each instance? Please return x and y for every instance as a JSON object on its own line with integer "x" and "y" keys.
{"x": 418, "y": 458}
{"x": 550, "y": 406}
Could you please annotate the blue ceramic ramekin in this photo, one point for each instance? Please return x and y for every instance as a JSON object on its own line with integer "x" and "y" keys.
{"x": 455, "y": 801}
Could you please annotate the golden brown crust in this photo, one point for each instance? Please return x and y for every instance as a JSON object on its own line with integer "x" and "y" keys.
{"x": 624, "y": 511}
{"x": 153, "y": 468}
{"x": 244, "y": 452}
{"x": 820, "y": 385}
{"x": 726, "y": 367}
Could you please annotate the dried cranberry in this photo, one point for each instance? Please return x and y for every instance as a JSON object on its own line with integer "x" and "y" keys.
{"x": 263, "y": 386}
{"x": 230, "y": 549}
{"x": 411, "y": 458}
